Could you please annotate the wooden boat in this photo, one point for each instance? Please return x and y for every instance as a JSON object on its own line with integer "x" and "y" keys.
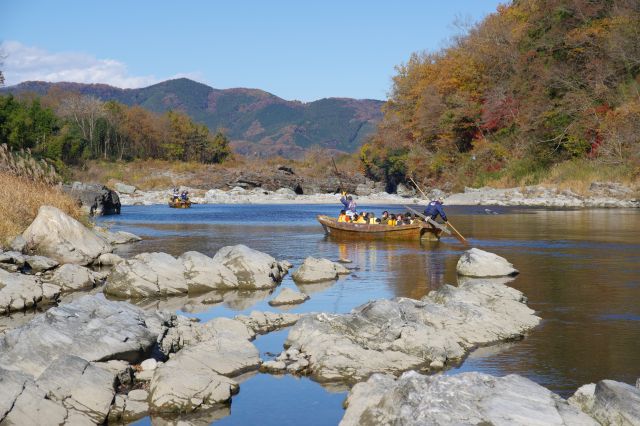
{"x": 415, "y": 231}
{"x": 179, "y": 204}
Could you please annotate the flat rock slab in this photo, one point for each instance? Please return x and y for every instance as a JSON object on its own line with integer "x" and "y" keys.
{"x": 19, "y": 292}
{"x": 466, "y": 398}
{"x": 91, "y": 327}
{"x": 480, "y": 263}
{"x": 315, "y": 270}
{"x": 288, "y": 297}
{"x": 59, "y": 236}
{"x": 393, "y": 336}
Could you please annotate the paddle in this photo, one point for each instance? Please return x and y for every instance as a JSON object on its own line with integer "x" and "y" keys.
{"x": 457, "y": 234}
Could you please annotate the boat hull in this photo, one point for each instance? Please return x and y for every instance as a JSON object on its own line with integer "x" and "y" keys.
{"x": 361, "y": 231}
{"x": 180, "y": 204}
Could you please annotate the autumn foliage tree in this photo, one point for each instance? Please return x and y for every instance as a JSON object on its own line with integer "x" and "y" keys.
{"x": 536, "y": 83}
{"x": 70, "y": 128}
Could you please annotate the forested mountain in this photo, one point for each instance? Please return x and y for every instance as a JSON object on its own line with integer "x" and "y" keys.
{"x": 257, "y": 122}
{"x": 537, "y": 85}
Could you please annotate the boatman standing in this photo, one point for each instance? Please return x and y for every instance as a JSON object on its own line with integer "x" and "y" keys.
{"x": 349, "y": 204}
{"x": 434, "y": 209}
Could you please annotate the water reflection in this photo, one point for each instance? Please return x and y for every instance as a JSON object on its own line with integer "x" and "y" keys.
{"x": 579, "y": 270}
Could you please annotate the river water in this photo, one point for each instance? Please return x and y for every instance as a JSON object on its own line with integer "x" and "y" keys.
{"x": 580, "y": 270}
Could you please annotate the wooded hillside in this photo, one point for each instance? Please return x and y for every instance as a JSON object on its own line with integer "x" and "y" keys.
{"x": 535, "y": 86}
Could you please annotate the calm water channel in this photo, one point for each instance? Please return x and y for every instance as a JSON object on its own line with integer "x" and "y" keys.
{"x": 580, "y": 270}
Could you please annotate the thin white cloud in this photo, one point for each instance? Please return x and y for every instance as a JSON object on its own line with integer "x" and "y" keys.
{"x": 24, "y": 63}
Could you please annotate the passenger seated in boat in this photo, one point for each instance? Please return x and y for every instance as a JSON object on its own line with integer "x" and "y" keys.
{"x": 342, "y": 217}
{"x": 359, "y": 219}
{"x": 372, "y": 219}
{"x": 407, "y": 219}
{"x": 392, "y": 220}
{"x": 184, "y": 196}
{"x": 385, "y": 216}
{"x": 349, "y": 204}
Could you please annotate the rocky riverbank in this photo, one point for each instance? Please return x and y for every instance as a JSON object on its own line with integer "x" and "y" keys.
{"x": 607, "y": 195}
{"x": 91, "y": 360}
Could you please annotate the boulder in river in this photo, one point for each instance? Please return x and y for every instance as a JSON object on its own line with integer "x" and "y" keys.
{"x": 288, "y": 297}
{"x": 204, "y": 274}
{"x": 609, "y": 402}
{"x": 480, "y": 263}
{"x": 467, "y": 398}
{"x": 56, "y": 235}
{"x": 160, "y": 274}
{"x": 97, "y": 199}
{"x": 315, "y": 270}
{"x": 396, "y": 335}
{"x": 147, "y": 275}
{"x": 265, "y": 322}
{"x": 253, "y": 269}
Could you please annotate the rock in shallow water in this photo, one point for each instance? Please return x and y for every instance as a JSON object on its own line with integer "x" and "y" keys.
{"x": 19, "y": 291}
{"x": 393, "y": 336}
{"x": 160, "y": 274}
{"x": 609, "y": 402}
{"x": 265, "y": 322}
{"x": 480, "y": 263}
{"x": 288, "y": 297}
{"x": 466, "y": 398}
{"x": 317, "y": 270}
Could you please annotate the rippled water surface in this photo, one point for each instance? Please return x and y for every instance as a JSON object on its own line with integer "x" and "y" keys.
{"x": 580, "y": 270}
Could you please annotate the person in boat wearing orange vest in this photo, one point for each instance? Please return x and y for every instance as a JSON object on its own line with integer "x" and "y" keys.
{"x": 434, "y": 209}
{"x": 342, "y": 217}
{"x": 349, "y": 204}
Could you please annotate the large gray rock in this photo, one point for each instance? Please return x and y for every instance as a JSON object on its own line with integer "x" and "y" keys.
{"x": 95, "y": 198}
{"x": 253, "y": 269}
{"x": 315, "y": 270}
{"x": 197, "y": 377}
{"x": 461, "y": 399}
{"x": 71, "y": 277}
{"x": 147, "y": 275}
{"x": 19, "y": 292}
{"x": 79, "y": 386}
{"x": 185, "y": 331}
{"x": 123, "y": 188}
{"x": 396, "y": 335}
{"x": 56, "y": 235}
{"x": 480, "y": 263}
{"x": 126, "y": 410}
{"x": 609, "y": 402}
{"x": 204, "y": 274}
{"x": 91, "y": 327}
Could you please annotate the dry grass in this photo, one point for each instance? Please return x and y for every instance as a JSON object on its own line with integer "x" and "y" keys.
{"x": 20, "y": 199}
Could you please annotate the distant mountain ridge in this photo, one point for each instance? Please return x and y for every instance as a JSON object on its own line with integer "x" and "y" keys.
{"x": 257, "y": 122}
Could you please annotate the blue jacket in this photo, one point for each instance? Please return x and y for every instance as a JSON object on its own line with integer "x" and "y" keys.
{"x": 349, "y": 205}
{"x": 434, "y": 209}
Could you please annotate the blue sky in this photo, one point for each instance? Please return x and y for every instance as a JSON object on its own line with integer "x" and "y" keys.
{"x": 293, "y": 49}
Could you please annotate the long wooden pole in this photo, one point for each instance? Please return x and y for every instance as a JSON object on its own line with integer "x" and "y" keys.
{"x": 337, "y": 174}
{"x": 457, "y": 234}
